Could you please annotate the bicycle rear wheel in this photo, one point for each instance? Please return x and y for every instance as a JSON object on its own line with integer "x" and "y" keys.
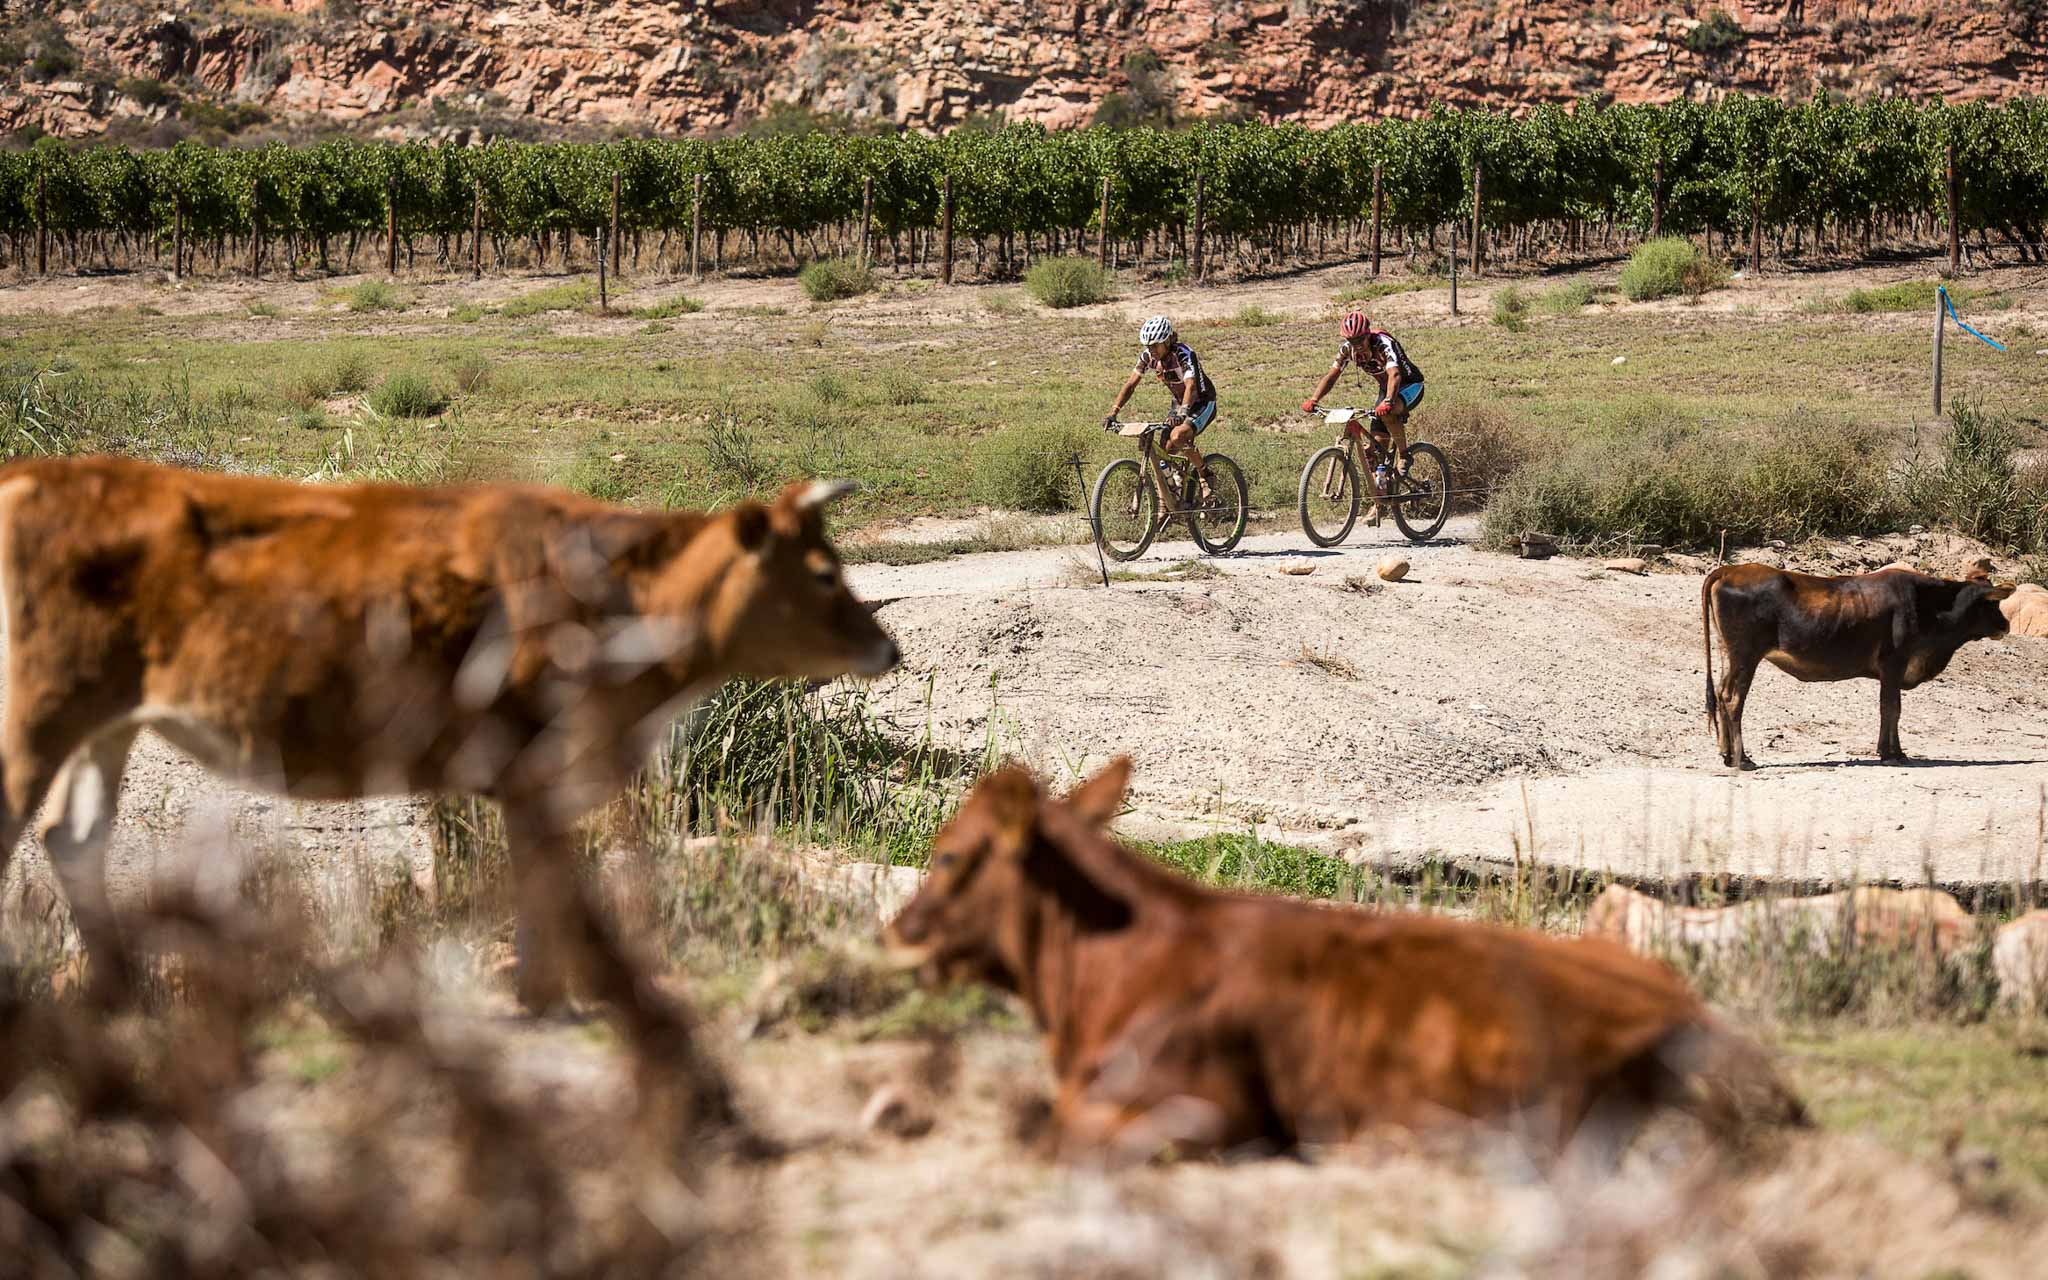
{"x": 1424, "y": 494}
{"x": 1218, "y": 524}
{"x": 1125, "y": 510}
{"x": 1328, "y": 501}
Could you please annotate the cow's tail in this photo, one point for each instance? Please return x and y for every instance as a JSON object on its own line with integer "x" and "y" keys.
{"x": 1707, "y": 642}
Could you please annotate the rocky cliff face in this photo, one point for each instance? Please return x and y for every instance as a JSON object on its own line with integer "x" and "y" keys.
{"x": 428, "y": 66}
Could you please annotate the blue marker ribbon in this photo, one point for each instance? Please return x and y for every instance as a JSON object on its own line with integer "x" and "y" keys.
{"x": 1949, "y": 302}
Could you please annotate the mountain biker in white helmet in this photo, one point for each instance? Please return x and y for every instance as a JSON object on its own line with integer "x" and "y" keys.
{"x": 1194, "y": 396}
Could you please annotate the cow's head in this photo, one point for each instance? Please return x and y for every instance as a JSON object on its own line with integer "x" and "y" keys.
{"x": 1012, "y": 862}
{"x": 767, "y": 588}
{"x": 1975, "y": 615}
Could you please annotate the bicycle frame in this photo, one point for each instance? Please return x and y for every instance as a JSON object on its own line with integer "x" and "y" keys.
{"x": 1155, "y": 461}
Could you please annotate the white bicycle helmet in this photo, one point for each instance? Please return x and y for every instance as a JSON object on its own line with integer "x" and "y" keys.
{"x": 1157, "y": 329}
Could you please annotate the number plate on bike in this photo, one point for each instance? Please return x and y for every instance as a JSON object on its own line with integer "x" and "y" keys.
{"x": 1135, "y": 428}
{"x": 1341, "y": 417}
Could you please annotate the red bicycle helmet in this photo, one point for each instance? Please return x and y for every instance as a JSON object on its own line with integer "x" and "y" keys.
{"x": 1354, "y": 325}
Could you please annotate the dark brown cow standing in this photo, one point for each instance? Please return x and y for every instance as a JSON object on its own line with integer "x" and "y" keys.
{"x": 1180, "y": 1016}
{"x": 1895, "y": 626}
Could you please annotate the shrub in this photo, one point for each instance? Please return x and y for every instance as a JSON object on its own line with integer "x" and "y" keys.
{"x": 1907, "y": 295}
{"x": 1067, "y": 282}
{"x": 731, "y": 454}
{"x": 902, "y": 387}
{"x": 1716, "y": 34}
{"x": 408, "y": 395}
{"x": 1029, "y": 468}
{"x": 262, "y": 310}
{"x": 830, "y": 279}
{"x": 374, "y": 295}
{"x": 669, "y": 309}
{"x": 1660, "y": 476}
{"x": 1510, "y": 309}
{"x": 147, "y": 91}
{"x": 1255, "y": 317}
{"x": 351, "y": 374}
{"x": 571, "y": 296}
{"x": 310, "y": 418}
{"x": 1976, "y": 485}
{"x": 828, "y": 388}
{"x": 1568, "y": 299}
{"x": 1667, "y": 266}
{"x": 1485, "y": 443}
{"x": 466, "y": 313}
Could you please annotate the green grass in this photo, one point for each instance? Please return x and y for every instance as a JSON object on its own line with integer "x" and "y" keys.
{"x": 1253, "y": 316}
{"x": 669, "y": 308}
{"x": 831, "y": 279}
{"x": 259, "y": 309}
{"x": 1067, "y": 282}
{"x": 408, "y": 395}
{"x": 1510, "y": 308}
{"x": 1668, "y": 267}
{"x": 573, "y": 295}
{"x": 1567, "y": 299}
{"x": 371, "y": 296}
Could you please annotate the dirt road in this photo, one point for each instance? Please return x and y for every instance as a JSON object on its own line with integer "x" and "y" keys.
{"x": 1484, "y": 702}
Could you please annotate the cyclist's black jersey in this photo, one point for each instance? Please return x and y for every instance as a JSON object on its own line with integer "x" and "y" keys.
{"x": 1180, "y": 366}
{"x": 1383, "y": 356}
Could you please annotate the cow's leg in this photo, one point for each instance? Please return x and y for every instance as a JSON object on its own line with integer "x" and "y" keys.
{"x": 544, "y": 884}
{"x": 75, "y": 831}
{"x": 1735, "y": 681}
{"x": 1888, "y": 698}
{"x": 29, "y": 765}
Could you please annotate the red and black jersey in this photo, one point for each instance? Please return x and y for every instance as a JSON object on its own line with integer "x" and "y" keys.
{"x": 1382, "y": 355}
{"x": 1180, "y": 366}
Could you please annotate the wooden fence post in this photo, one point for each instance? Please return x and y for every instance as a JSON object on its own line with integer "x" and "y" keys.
{"x": 476, "y": 237}
{"x": 1955, "y": 231}
{"x": 696, "y": 224}
{"x": 867, "y": 216}
{"x": 256, "y": 228}
{"x": 1102, "y": 244}
{"x": 602, "y": 237}
{"x": 1377, "y": 205}
{"x": 1200, "y": 262}
{"x": 178, "y": 236}
{"x": 42, "y": 227}
{"x": 1478, "y": 191}
{"x": 1657, "y": 200}
{"x": 946, "y": 230}
{"x": 391, "y": 226}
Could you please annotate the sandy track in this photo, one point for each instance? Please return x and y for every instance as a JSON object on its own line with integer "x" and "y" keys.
{"x": 1481, "y": 677}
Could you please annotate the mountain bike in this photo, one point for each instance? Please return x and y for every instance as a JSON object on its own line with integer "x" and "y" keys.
{"x": 1135, "y": 498}
{"x": 1332, "y": 484}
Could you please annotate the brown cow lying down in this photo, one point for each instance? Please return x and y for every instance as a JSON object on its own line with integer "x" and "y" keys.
{"x": 1178, "y": 1015}
{"x": 1895, "y": 626}
{"x": 325, "y": 643}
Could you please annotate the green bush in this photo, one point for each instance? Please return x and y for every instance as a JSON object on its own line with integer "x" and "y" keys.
{"x": 571, "y": 296}
{"x": 1067, "y": 282}
{"x": 902, "y": 388}
{"x": 1510, "y": 309}
{"x": 1029, "y": 468}
{"x": 1255, "y": 317}
{"x": 1486, "y": 444}
{"x": 1668, "y": 266}
{"x": 408, "y": 395}
{"x": 669, "y": 309}
{"x": 1568, "y": 299}
{"x": 374, "y": 295}
{"x": 1907, "y": 295}
{"x": 830, "y": 279}
{"x": 1974, "y": 482}
{"x": 1661, "y": 476}
{"x": 472, "y": 374}
{"x": 1716, "y": 34}
{"x": 351, "y": 374}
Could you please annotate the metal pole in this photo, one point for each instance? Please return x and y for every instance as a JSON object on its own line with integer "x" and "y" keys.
{"x": 43, "y": 229}
{"x": 256, "y": 229}
{"x": 603, "y": 300}
{"x": 1081, "y": 480}
{"x": 946, "y": 230}
{"x": 1376, "y": 206}
{"x": 391, "y": 226}
{"x": 867, "y": 216}
{"x": 1657, "y": 200}
{"x": 1454, "y": 268}
{"x": 1940, "y": 323}
{"x": 1102, "y": 245}
{"x": 1478, "y": 179}
{"x": 696, "y": 223}
{"x": 615, "y": 221}
{"x": 476, "y": 237}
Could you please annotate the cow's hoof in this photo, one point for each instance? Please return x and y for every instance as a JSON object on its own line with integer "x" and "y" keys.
{"x": 1746, "y": 766}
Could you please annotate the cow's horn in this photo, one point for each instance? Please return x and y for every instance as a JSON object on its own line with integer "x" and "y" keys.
{"x": 821, "y": 492}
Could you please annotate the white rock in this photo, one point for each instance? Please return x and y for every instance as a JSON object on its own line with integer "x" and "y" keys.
{"x": 1393, "y": 568}
{"x": 1621, "y": 360}
{"x": 1297, "y": 566}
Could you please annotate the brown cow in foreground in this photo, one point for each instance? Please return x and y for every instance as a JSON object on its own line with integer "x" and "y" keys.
{"x": 327, "y": 643}
{"x": 1895, "y": 626}
{"x": 1178, "y": 1015}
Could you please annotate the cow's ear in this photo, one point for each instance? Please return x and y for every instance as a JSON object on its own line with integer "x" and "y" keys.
{"x": 1997, "y": 594}
{"x": 1011, "y": 794}
{"x": 1101, "y": 797}
{"x": 750, "y": 526}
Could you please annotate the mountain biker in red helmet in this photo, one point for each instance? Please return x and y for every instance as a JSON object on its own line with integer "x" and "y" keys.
{"x": 1378, "y": 354}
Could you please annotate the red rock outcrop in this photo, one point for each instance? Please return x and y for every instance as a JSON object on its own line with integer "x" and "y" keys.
{"x": 703, "y": 65}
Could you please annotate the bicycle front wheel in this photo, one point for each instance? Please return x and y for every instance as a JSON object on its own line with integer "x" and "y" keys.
{"x": 1329, "y": 496}
{"x": 1218, "y": 523}
{"x": 1423, "y": 496}
{"x": 1125, "y": 510}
